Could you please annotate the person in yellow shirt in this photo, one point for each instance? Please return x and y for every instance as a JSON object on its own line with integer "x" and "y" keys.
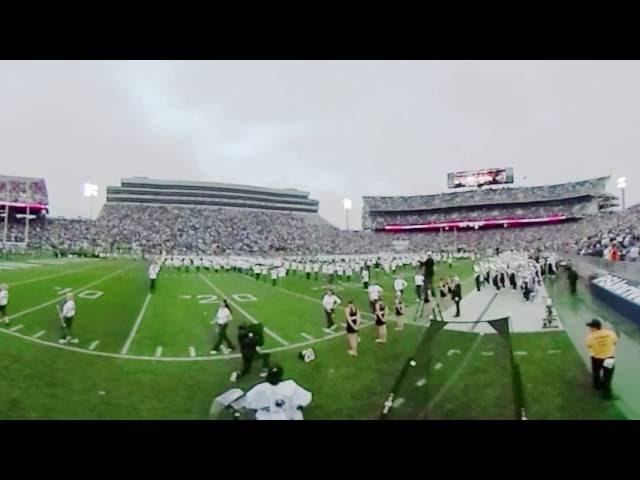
{"x": 602, "y": 348}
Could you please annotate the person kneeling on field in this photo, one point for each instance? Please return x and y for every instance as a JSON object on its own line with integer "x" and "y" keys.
{"x": 277, "y": 399}
{"x": 352, "y": 326}
{"x": 250, "y": 340}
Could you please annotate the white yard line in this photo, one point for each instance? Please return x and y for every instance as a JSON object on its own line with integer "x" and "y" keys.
{"x": 77, "y": 290}
{"x": 16, "y": 328}
{"x": 307, "y": 336}
{"x": 39, "y": 334}
{"x": 94, "y": 345}
{"x": 269, "y": 332}
{"x": 126, "y": 346}
{"x": 158, "y": 352}
{"x": 46, "y": 277}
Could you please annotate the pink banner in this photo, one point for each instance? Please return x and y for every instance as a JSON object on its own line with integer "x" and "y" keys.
{"x": 502, "y": 222}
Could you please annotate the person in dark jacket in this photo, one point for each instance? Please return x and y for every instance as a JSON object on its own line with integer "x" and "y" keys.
{"x": 250, "y": 342}
{"x": 457, "y": 295}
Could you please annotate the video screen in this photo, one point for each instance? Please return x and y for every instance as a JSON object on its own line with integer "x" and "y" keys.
{"x": 479, "y": 178}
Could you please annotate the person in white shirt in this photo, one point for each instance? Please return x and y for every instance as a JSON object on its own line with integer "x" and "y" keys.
{"x": 329, "y": 302}
{"x": 4, "y": 301}
{"x": 418, "y": 280}
{"x": 374, "y": 291}
{"x": 274, "y": 276}
{"x": 223, "y": 317}
{"x": 153, "y": 276}
{"x": 264, "y": 271}
{"x": 67, "y": 314}
{"x": 365, "y": 278}
{"x": 276, "y": 399}
{"x": 399, "y": 284}
{"x": 348, "y": 272}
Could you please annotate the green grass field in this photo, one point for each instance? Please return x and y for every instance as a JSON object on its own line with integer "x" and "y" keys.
{"x": 146, "y": 356}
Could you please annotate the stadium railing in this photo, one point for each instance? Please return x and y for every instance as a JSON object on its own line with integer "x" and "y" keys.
{"x": 587, "y": 266}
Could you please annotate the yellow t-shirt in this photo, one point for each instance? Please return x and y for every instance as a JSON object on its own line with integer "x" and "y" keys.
{"x": 602, "y": 343}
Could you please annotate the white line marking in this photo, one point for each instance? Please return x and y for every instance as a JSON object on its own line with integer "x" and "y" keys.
{"x": 158, "y": 352}
{"x": 549, "y": 352}
{"x": 328, "y": 330}
{"x": 94, "y": 344}
{"x": 46, "y": 277}
{"x": 452, "y": 351}
{"x": 126, "y": 346}
{"x": 269, "y": 332}
{"x": 57, "y": 299}
{"x": 192, "y": 352}
{"x": 421, "y": 382}
{"x": 185, "y": 296}
{"x": 520, "y": 352}
{"x": 398, "y": 402}
{"x": 438, "y": 366}
{"x": 39, "y": 334}
{"x": 16, "y": 328}
{"x": 487, "y": 354}
{"x": 307, "y": 336}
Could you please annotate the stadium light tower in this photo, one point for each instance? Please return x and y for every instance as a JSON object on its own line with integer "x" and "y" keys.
{"x": 90, "y": 190}
{"x": 347, "y": 204}
{"x": 622, "y": 184}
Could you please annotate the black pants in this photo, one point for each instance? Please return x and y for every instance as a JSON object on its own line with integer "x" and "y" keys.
{"x": 248, "y": 358}
{"x": 329, "y": 317}
{"x": 66, "y": 327}
{"x": 572, "y": 287}
{"x": 308, "y": 275}
{"x": 602, "y": 376}
{"x": 152, "y": 287}
{"x": 512, "y": 281}
{"x": 419, "y": 291}
{"x": 426, "y": 296}
{"x": 457, "y": 302}
{"x": 478, "y": 282}
{"x": 223, "y": 337}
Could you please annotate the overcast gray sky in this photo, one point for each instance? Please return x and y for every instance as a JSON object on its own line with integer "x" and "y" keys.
{"x": 334, "y": 128}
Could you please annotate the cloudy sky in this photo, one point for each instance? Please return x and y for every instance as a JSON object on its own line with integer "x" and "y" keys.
{"x": 334, "y": 128}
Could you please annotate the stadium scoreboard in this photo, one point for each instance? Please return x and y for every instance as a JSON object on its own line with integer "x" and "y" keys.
{"x": 480, "y": 178}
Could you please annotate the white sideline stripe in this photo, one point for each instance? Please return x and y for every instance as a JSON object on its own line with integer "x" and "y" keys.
{"x": 18, "y": 265}
{"x": 328, "y": 330}
{"x": 39, "y": 334}
{"x": 94, "y": 344}
{"x": 54, "y": 275}
{"x": 158, "y": 352}
{"x": 16, "y": 328}
{"x": 192, "y": 352}
{"x": 57, "y": 299}
{"x": 279, "y": 339}
{"x": 134, "y": 330}
{"x": 307, "y": 336}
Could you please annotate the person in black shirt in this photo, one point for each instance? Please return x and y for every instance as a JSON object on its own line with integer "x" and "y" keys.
{"x": 399, "y": 310}
{"x": 457, "y": 295}
{"x": 250, "y": 342}
{"x": 428, "y": 272}
{"x": 380, "y": 310}
{"x": 352, "y": 326}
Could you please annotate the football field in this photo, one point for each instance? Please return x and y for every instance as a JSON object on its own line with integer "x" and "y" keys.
{"x": 145, "y": 355}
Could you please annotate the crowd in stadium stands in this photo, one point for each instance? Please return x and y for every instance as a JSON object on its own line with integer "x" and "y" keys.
{"x": 203, "y": 230}
{"x": 573, "y": 209}
{"x": 488, "y": 196}
{"x": 19, "y": 191}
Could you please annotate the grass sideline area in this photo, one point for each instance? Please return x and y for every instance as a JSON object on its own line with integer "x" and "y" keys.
{"x": 143, "y": 356}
